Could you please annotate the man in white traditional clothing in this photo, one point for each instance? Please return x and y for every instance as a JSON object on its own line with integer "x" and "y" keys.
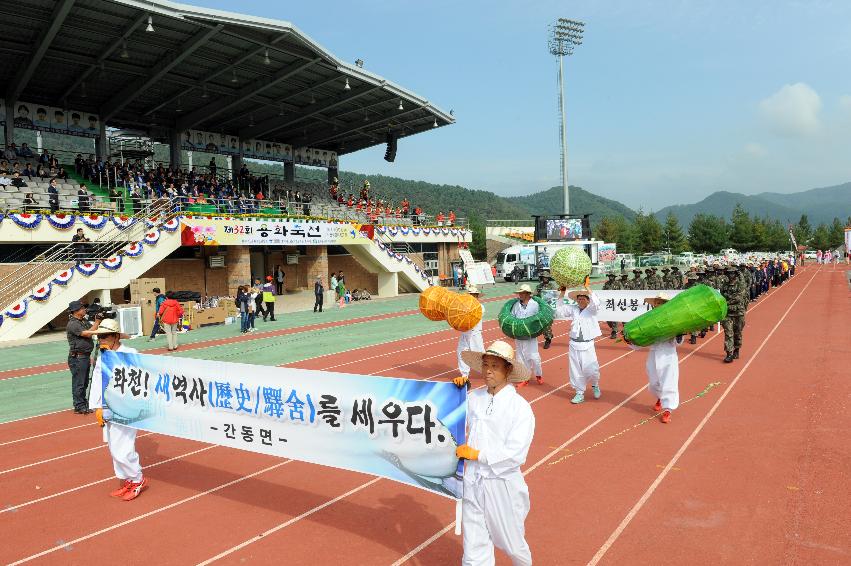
{"x": 584, "y": 328}
{"x": 120, "y": 439}
{"x": 663, "y": 369}
{"x": 500, "y": 429}
{"x": 471, "y": 339}
{"x": 527, "y": 348}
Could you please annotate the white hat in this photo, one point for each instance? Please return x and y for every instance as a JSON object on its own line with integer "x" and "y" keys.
{"x": 499, "y": 349}
{"x": 473, "y": 290}
{"x": 108, "y": 326}
{"x": 525, "y": 288}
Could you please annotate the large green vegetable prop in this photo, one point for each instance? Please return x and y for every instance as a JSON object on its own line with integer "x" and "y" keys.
{"x": 689, "y": 311}
{"x": 570, "y": 266}
{"x": 524, "y": 328}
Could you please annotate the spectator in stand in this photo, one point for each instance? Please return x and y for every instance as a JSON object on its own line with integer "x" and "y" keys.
{"x": 25, "y": 151}
{"x": 279, "y": 279}
{"x": 11, "y": 153}
{"x": 62, "y": 174}
{"x": 17, "y": 181}
{"x": 158, "y": 302}
{"x": 29, "y": 202}
{"x": 319, "y": 294}
{"x": 53, "y": 196}
{"x": 83, "y": 199}
{"x": 28, "y": 172}
{"x": 440, "y": 218}
{"x": 451, "y": 218}
{"x": 406, "y": 207}
{"x": 136, "y": 200}
{"x": 170, "y": 313}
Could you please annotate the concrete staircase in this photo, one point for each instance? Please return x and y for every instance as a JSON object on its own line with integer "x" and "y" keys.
{"x": 394, "y": 275}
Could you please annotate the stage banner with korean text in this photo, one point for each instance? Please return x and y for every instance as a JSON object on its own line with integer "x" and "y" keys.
{"x": 402, "y": 429}
{"x": 623, "y": 306}
{"x": 236, "y": 232}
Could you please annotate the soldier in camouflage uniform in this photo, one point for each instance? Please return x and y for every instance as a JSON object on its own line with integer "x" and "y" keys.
{"x": 703, "y": 279}
{"x": 546, "y": 284}
{"x": 692, "y": 280}
{"x": 649, "y": 280}
{"x": 735, "y": 291}
{"x": 637, "y": 283}
{"x": 676, "y": 278}
{"x": 612, "y": 285}
{"x": 666, "y": 278}
{"x": 624, "y": 281}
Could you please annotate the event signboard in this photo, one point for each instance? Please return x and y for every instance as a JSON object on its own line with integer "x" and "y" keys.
{"x": 401, "y": 429}
{"x": 238, "y": 232}
{"x": 621, "y": 305}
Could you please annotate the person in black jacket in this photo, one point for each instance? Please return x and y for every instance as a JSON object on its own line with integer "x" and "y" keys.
{"x": 319, "y": 292}
{"x": 53, "y": 196}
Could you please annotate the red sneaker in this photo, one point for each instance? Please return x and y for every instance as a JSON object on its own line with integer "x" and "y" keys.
{"x": 666, "y": 416}
{"x": 522, "y": 384}
{"x": 135, "y": 489}
{"x": 658, "y": 406}
{"x": 540, "y": 380}
{"x": 125, "y": 486}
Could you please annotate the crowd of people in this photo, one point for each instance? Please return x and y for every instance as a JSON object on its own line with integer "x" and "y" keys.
{"x": 376, "y": 207}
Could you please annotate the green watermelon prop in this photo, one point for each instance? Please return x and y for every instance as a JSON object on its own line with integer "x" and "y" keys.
{"x": 524, "y": 328}
{"x": 570, "y": 266}
{"x": 689, "y": 311}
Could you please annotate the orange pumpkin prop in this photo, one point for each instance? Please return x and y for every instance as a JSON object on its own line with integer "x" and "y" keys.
{"x": 464, "y": 313}
{"x": 430, "y": 303}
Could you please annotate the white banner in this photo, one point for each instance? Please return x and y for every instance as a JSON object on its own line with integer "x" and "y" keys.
{"x": 402, "y": 429}
{"x": 479, "y": 273}
{"x": 235, "y": 232}
{"x": 623, "y": 306}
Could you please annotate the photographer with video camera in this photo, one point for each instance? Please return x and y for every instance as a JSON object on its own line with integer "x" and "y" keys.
{"x": 79, "y": 333}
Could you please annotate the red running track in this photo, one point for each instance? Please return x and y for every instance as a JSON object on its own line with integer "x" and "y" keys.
{"x": 205, "y": 504}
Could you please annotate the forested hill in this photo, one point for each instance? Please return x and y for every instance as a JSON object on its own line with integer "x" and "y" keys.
{"x": 581, "y": 202}
{"x": 820, "y": 205}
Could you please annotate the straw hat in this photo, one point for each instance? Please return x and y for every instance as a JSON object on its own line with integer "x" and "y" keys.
{"x": 498, "y": 349}
{"x": 659, "y": 299}
{"x": 473, "y": 290}
{"x": 525, "y": 288}
{"x": 109, "y": 326}
{"x": 577, "y": 292}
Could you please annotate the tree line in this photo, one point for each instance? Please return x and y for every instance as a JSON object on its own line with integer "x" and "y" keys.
{"x": 708, "y": 233}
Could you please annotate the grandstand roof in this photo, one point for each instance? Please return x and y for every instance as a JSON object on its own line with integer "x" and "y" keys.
{"x": 200, "y": 69}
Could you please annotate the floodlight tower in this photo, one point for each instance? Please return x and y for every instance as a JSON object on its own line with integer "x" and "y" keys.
{"x": 564, "y": 36}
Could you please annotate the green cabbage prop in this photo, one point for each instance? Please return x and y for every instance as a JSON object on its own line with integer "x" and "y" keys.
{"x": 524, "y": 328}
{"x": 570, "y": 266}
{"x": 689, "y": 311}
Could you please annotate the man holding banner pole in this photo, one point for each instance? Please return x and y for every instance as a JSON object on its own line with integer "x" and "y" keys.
{"x": 500, "y": 429}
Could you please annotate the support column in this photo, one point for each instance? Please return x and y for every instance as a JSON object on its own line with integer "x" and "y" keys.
{"x": 9, "y": 129}
{"x": 289, "y": 172}
{"x": 102, "y": 143}
{"x": 316, "y": 265}
{"x": 105, "y": 296}
{"x": 237, "y": 267}
{"x": 236, "y": 165}
{"x": 388, "y": 284}
{"x": 174, "y": 154}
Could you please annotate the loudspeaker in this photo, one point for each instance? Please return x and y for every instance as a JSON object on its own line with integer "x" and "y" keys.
{"x": 390, "y": 154}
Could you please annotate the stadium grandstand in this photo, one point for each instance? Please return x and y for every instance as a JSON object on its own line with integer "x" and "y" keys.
{"x": 148, "y": 113}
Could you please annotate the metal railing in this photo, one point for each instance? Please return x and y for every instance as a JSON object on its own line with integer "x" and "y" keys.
{"x": 65, "y": 255}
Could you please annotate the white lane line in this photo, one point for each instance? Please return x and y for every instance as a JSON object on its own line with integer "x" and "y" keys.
{"x": 647, "y": 494}
{"x": 68, "y": 455}
{"x": 148, "y": 514}
{"x": 44, "y": 434}
{"x": 12, "y": 508}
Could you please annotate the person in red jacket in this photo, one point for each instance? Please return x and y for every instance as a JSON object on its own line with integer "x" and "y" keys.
{"x": 170, "y": 314}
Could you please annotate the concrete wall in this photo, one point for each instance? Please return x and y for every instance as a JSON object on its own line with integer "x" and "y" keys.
{"x": 357, "y": 277}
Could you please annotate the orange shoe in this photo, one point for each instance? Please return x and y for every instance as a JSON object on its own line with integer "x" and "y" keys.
{"x": 135, "y": 489}
{"x": 522, "y": 384}
{"x": 125, "y": 487}
{"x": 666, "y": 416}
{"x": 540, "y": 379}
{"x": 658, "y": 406}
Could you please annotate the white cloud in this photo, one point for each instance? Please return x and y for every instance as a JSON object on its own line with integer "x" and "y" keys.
{"x": 754, "y": 149}
{"x": 792, "y": 111}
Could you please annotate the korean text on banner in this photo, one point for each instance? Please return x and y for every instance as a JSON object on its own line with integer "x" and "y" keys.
{"x": 401, "y": 429}
{"x": 623, "y": 306}
{"x": 219, "y": 232}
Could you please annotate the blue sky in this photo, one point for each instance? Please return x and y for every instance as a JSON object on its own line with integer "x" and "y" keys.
{"x": 667, "y": 101}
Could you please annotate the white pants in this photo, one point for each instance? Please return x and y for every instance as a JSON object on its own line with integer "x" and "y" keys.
{"x": 493, "y": 513}
{"x": 122, "y": 448}
{"x": 527, "y": 352}
{"x": 471, "y": 340}
{"x": 584, "y": 367}
{"x": 663, "y": 376}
